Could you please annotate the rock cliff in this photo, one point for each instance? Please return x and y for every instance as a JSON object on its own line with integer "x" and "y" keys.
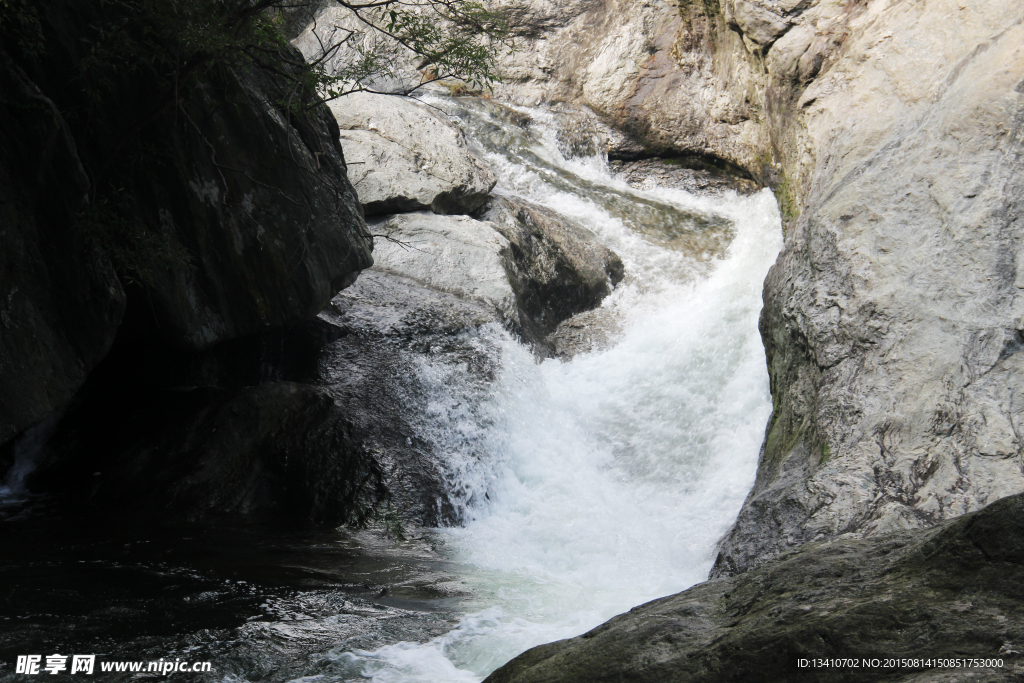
{"x": 892, "y": 318}
{"x": 61, "y": 300}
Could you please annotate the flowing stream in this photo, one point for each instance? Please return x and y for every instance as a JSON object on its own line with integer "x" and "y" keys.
{"x": 609, "y": 477}
{"x": 587, "y": 486}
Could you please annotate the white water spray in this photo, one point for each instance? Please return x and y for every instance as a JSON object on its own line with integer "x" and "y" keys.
{"x": 610, "y": 477}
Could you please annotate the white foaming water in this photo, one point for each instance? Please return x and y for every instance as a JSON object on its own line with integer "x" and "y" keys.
{"x": 609, "y": 477}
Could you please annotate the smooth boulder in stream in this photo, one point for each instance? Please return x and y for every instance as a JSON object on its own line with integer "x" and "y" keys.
{"x": 533, "y": 266}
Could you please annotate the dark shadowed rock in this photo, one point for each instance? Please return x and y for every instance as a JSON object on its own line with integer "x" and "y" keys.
{"x": 280, "y": 449}
{"x": 60, "y": 301}
{"x": 956, "y": 591}
{"x": 270, "y": 243}
{"x": 246, "y": 199}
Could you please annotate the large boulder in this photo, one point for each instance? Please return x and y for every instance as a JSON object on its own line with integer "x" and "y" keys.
{"x": 556, "y": 266}
{"x": 405, "y": 156}
{"x": 948, "y": 594}
{"x": 60, "y": 301}
{"x": 452, "y": 254}
{"x": 893, "y": 317}
{"x": 408, "y": 354}
{"x": 532, "y": 266}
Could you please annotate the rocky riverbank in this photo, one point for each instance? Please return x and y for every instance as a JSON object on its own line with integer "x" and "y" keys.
{"x": 202, "y": 408}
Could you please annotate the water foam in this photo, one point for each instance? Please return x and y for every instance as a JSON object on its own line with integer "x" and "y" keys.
{"x": 608, "y": 478}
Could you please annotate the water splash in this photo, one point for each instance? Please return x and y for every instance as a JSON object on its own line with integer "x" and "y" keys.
{"x": 606, "y": 481}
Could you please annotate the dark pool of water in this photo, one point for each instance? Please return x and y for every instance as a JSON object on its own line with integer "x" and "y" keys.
{"x": 259, "y": 600}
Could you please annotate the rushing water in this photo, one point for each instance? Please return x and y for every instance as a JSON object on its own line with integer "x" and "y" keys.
{"x": 588, "y": 486}
{"x": 610, "y": 477}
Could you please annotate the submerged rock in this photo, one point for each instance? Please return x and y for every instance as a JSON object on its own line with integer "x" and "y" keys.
{"x": 690, "y": 174}
{"x": 404, "y": 156}
{"x": 952, "y": 592}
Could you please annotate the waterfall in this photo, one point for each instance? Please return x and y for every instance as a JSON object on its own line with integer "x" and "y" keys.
{"x": 605, "y": 481}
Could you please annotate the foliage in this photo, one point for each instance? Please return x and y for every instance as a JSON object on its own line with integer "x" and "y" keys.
{"x": 449, "y": 39}
{"x": 176, "y": 41}
{"x": 19, "y": 23}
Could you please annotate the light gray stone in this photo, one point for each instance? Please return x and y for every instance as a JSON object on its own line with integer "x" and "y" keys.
{"x": 452, "y": 254}
{"x": 405, "y": 156}
{"x": 531, "y": 266}
{"x": 892, "y": 319}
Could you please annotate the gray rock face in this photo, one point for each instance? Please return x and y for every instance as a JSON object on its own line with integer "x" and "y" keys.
{"x": 672, "y": 76}
{"x": 951, "y": 592}
{"x": 892, "y": 318}
{"x": 759, "y": 23}
{"x": 404, "y": 156}
{"x": 60, "y": 301}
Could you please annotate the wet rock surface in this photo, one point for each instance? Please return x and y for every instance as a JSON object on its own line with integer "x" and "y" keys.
{"x": 530, "y": 265}
{"x": 406, "y": 350}
{"x": 452, "y": 254}
{"x": 950, "y": 592}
